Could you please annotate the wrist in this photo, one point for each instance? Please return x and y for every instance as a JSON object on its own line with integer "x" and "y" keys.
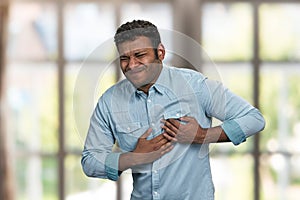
{"x": 137, "y": 158}
{"x": 128, "y": 160}
{"x": 200, "y": 136}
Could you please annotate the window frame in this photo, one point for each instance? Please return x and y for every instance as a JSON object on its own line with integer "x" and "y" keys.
{"x": 62, "y": 62}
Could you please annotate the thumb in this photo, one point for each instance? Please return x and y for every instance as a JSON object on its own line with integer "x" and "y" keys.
{"x": 147, "y": 133}
{"x": 186, "y": 119}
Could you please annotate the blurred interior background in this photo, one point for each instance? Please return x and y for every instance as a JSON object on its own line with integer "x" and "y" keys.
{"x": 255, "y": 45}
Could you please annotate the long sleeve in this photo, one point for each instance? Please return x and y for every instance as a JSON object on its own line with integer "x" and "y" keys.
{"x": 239, "y": 119}
{"x": 98, "y": 159}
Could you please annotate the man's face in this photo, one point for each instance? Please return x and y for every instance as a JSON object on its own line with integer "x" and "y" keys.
{"x": 139, "y": 63}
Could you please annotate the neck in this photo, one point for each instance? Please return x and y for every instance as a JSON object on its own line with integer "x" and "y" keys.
{"x": 145, "y": 88}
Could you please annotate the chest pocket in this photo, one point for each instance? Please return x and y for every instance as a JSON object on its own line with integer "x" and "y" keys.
{"x": 128, "y": 135}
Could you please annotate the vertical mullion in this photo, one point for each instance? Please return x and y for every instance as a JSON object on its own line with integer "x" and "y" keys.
{"x": 117, "y": 5}
{"x": 6, "y": 174}
{"x": 61, "y": 94}
{"x": 256, "y": 65}
{"x": 118, "y": 22}
{"x": 201, "y": 5}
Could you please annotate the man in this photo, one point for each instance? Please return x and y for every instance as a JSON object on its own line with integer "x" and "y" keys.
{"x": 161, "y": 119}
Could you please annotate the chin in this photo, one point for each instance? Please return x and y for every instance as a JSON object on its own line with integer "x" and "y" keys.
{"x": 138, "y": 85}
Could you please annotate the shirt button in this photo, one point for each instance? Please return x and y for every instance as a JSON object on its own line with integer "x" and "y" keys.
{"x": 128, "y": 128}
{"x": 178, "y": 114}
{"x": 155, "y": 172}
{"x": 155, "y": 193}
{"x": 149, "y": 100}
{"x": 152, "y": 124}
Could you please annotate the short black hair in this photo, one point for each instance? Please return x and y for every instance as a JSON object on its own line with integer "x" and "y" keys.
{"x": 131, "y": 30}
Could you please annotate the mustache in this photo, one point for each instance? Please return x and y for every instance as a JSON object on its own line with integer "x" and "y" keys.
{"x": 136, "y": 69}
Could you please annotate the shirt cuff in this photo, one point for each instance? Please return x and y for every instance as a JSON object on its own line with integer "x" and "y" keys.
{"x": 112, "y": 166}
{"x": 234, "y": 132}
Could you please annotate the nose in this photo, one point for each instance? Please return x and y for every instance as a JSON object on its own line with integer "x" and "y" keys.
{"x": 133, "y": 62}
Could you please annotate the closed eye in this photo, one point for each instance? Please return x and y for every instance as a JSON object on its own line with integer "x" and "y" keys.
{"x": 124, "y": 58}
{"x": 140, "y": 55}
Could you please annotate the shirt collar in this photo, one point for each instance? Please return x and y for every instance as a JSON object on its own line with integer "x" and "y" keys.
{"x": 161, "y": 82}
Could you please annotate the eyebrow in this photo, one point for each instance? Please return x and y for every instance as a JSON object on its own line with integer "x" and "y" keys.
{"x": 139, "y": 51}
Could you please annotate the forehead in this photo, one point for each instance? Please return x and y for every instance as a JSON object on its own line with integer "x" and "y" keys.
{"x": 137, "y": 44}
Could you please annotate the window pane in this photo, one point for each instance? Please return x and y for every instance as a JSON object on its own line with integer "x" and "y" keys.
{"x": 36, "y": 178}
{"x": 236, "y": 76}
{"x": 280, "y": 176}
{"x": 280, "y": 30}
{"x": 84, "y": 85}
{"x": 159, "y": 14}
{"x": 127, "y": 184}
{"x": 280, "y": 94}
{"x": 32, "y": 100}
{"x": 80, "y": 187}
{"x": 227, "y": 31}
{"x": 233, "y": 176}
{"x": 88, "y": 25}
{"x": 32, "y": 31}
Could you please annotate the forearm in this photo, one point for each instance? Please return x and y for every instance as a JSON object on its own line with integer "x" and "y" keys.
{"x": 211, "y": 135}
{"x": 93, "y": 164}
{"x": 129, "y": 160}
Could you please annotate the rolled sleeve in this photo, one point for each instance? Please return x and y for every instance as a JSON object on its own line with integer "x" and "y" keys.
{"x": 112, "y": 165}
{"x": 234, "y": 132}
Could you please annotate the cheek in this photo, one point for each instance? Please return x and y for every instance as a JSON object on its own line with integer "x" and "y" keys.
{"x": 123, "y": 66}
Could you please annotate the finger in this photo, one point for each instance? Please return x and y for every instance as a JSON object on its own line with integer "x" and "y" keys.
{"x": 167, "y": 148}
{"x": 163, "y": 121}
{"x": 147, "y": 133}
{"x": 157, "y": 139}
{"x": 186, "y": 119}
{"x": 172, "y": 126}
{"x": 170, "y": 129}
{"x": 161, "y": 143}
{"x": 170, "y": 138}
{"x": 174, "y": 122}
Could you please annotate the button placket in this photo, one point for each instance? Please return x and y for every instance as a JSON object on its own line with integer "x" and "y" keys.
{"x": 152, "y": 122}
{"x": 155, "y": 179}
{"x": 149, "y": 109}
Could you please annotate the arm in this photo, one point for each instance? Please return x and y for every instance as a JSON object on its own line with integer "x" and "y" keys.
{"x": 192, "y": 132}
{"x": 240, "y": 119}
{"x": 146, "y": 151}
{"x": 98, "y": 159}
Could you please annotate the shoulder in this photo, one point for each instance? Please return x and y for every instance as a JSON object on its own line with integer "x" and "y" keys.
{"x": 189, "y": 75}
{"x": 116, "y": 93}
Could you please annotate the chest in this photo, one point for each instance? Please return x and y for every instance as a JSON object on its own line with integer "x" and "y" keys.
{"x": 133, "y": 116}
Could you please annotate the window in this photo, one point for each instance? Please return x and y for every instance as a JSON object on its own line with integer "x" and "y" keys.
{"x": 52, "y": 67}
{"x": 33, "y": 94}
{"x": 228, "y": 37}
{"x": 227, "y": 31}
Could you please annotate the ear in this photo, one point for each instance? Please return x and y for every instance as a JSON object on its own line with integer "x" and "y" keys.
{"x": 161, "y": 51}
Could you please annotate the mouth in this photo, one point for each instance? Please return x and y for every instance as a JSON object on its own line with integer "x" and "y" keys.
{"x": 136, "y": 70}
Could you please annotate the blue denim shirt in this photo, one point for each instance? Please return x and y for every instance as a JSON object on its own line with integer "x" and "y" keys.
{"x": 124, "y": 113}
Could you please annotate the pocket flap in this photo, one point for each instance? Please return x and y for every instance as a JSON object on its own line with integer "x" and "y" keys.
{"x": 176, "y": 114}
{"x": 128, "y": 127}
